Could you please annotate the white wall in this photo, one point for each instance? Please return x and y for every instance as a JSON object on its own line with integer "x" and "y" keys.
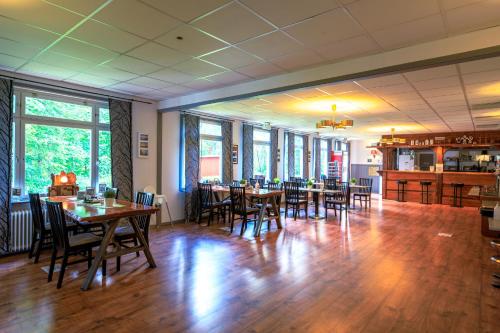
{"x": 360, "y": 154}
{"x": 170, "y": 165}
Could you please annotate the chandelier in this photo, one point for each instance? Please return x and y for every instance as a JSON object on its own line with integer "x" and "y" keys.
{"x": 392, "y": 140}
{"x": 341, "y": 125}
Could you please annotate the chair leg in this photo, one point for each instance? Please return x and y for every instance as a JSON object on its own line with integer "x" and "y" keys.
{"x": 38, "y": 249}
{"x": 232, "y": 221}
{"x": 89, "y": 258}
{"x": 286, "y": 210}
{"x": 52, "y": 264}
{"x": 243, "y": 225}
{"x": 118, "y": 263}
{"x": 137, "y": 254}
{"x": 104, "y": 268}
{"x": 32, "y": 247}
{"x": 63, "y": 268}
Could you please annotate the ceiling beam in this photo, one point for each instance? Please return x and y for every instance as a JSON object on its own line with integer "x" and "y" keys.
{"x": 470, "y": 46}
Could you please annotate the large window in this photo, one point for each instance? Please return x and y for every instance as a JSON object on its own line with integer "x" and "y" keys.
{"x": 54, "y": 133}
{"x": 210, "y": 151}
{"x": 262, "y": 153}
{"x": 299, "y": 156}
{"x": 324, "y": 158}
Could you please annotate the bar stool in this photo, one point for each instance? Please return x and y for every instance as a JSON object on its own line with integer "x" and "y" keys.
{"x": 425, "y": 189}
{"x": 401, "y": 189}
{"x": 457, "y": 194}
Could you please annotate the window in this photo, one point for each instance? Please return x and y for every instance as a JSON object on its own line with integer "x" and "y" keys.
{"x": 210, "y": 151}
{"x": 285, "y": 158}
{"x": 299, "y": 156}
{"x": 262, "y": 153}
{"x": 324, "y": 158}
{"x": 54, "y": 133}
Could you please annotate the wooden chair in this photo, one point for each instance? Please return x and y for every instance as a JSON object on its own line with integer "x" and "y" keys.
{"x": 329, "y": 184}
{"x": 341, "y": 199}
{"x": 74, "y": 245}
{"x": 240, "y": 207}
{"x": 126, "y": 234}
{"x": 254, "y": 181}
{"x": 293, "y": 198}
{"x": 207, "y": 204}
{"x": 269, "y": 208}
{"x": 41, "y": 231}
{"x": 363, "y": 194}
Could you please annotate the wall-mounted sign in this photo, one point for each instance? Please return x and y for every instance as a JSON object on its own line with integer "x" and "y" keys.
{"x": 234, "y": 154}
{"x": 142, "y": 145}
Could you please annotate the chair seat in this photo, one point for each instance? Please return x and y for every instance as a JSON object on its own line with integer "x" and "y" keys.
{"x": 124, "y": 231}
{"x": 425, "y": 183}
{"x": 250, "y": 210}
{"x": 295, "y": 202}
{"x": 84, "y": 239}
{"x": 361, "y": 194}
{"x": 402, "y": 181}
{"x": 337, "y": 201}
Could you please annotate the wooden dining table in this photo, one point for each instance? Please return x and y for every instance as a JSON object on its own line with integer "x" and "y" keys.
{"x": 109, "y": 217}
{"x": 264, "y": 196}
{"x": 315, "y": 194}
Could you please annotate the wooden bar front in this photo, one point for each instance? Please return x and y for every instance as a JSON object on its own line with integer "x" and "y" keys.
{"x": 441, "y": 191}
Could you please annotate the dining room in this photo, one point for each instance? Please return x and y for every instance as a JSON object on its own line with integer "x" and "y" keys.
{"x": 321, "y": 166}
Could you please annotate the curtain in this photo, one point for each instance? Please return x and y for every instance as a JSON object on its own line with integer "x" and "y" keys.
{"x": 305, "y": 153}
{"x": 317, "y": 158}
{"x": 291, "y": 155}
{"x": 227, "y": 149}
{"x": 192, "y": 164}
{"x": 120, "y": 125}
{"x": 274, "y": 153}
{"x": 247, "y": 151}
{"x": 6, "y": 93}
{"x": 329, "y": 147}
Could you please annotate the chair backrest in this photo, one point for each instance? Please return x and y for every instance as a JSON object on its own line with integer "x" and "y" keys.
{"x": 291, "y": 191}
{"x": 146, "y": 199}
{"x": 274, "y": 186}
{"x": 36, "y": 212}
{"x": 238, "y": 199}
{"x": 366, "y": 182}
{"x": 205, "y": 195}
{"x": 330, "y": 183}
{"x": 254, "y": 181}
{"x": 58, "y": 224}
{"x": 343, "y": 187}
{"x": 235, "y": 183}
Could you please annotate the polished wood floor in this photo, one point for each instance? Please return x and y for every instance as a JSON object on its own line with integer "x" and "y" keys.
{"x": 385, "y": 270}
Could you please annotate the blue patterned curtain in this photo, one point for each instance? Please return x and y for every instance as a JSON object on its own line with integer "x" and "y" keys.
{"x": 120, "y": 125}
{"x": 305, "y": 156}
{"x": 192, "y": 163}
{"x": 247, "y": 151}
{"x": 227, "y": 149}
{"x": 317, "y": 157}
{"x": 291, "y": 155}
{"x": 274, "y": 153}
{"x": 6, "y": 93}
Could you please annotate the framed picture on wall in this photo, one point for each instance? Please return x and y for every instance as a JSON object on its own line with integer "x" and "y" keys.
{"x": 235, "y": 154}
{"x": 142, "y": 145}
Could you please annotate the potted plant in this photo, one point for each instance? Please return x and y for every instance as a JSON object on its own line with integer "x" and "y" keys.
{"x": 353, "y": 181}
{"x": 109, "y": 197}
{"x": 243, "y": 182}
{"x": 277, "y": 180}
{"x": 310, "y": 183}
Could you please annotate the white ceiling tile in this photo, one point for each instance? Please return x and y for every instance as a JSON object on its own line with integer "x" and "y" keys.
{"x": 25, "y": 34}
{"x": 148, "y": 82}
{"x": 171, "y": 75}
{"x": 176, "y": 90}
{"x": 393, "y": 89}
{"x": 379, "y": 14}
{"x": 111, "y": 73}
{"x": 271, "y": 45}
{"x": 106, "y": 36}
{"x": 474, "y": 16}
{"x": 83, "y": 51}
{"x": 482, "y": 77}
{"x": 480, "y": 65}
{"x": 64, "y": 61}
{"x": 285, "y": 12}
{"x": 260, "y": 70}
{"x": 200, "y": 84}
{"x": 198, "y": 68}
{"x": 340, "y": 88}
{"x": 186, "y": 10}
{"x": 219, "y": 24}
{"x": 449, "y": 4}
{"x": 231, "y": 57}
{"x": 53, "y": 72}
{"x": 41, "y": 14}
{"x": 431, "y": 73}
{"x": 158, "y": 54}
{"x": 129, "y": 88}
{"x": 16, "y": 49}
{"x": 409, "y": 33}
{"x": 325, "y": 28}
{"x": 91, "y": 80}
{"x": 193, "y": 42}
{"x": 228, "y": 77}
{"x": 351, "y": 47}
{"x": 297, "y": 60}
{"x": 136, "y": 17}
{"x": 10, "y": 62}
{"x": 451, "y": 81}
{"x": 382, "y": 81}
{"x": 83, "y": 7}
{"x": 133, "y": 65}
{"x": 441, "y": 92}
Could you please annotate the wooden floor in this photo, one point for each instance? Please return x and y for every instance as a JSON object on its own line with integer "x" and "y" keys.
{"x": 386, "y": 270}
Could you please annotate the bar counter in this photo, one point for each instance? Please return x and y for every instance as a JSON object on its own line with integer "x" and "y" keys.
{"x": 440, "y": 190}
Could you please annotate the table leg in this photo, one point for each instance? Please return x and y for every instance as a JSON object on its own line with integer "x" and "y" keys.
{"x": 277, "y": 213}
{"x": 110, "y": 227}
{"x": 261, "y": 217}
{"x": 143, "y": 242}
{"x": 316, "y": 215}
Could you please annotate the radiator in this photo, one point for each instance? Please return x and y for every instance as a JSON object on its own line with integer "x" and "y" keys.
{"x": 21, "y": 230}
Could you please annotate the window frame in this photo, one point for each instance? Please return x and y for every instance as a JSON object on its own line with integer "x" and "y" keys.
{"x": 21, "y": 119}
{"x": 263, "y": 143}
{"x": 209, "y": 137}
{"x": 300, "y": 156}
